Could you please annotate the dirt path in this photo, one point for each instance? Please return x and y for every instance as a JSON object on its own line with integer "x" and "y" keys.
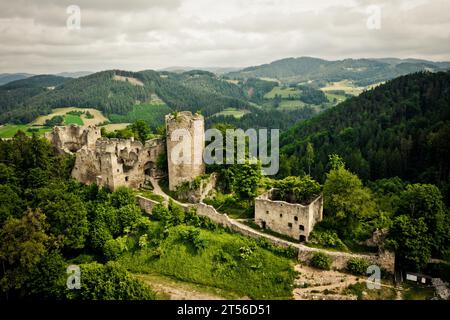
{"x": 171, "y": 289}
{"x": 320, "y": 284}
{"x": 158, "y": 191}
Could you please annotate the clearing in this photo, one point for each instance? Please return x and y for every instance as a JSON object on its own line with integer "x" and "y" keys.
{"x": 237, "y": 113}
{"x": 133, "y": 81}
{"x": 152, "y": 113}
{"x": 98, "y": 117}
{"x": 344, "y": 85}
{"x": 284, "y": 92}
{"x": 115, "y": 126}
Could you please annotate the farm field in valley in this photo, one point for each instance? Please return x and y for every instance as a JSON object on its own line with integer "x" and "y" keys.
{"x": 98, "y": 117}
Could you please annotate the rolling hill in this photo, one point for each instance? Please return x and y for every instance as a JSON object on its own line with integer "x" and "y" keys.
{"x": 117, "y": 92}
{"x": 362, "y": 71}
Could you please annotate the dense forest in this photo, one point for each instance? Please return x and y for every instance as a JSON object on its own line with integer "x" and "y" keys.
{"x": 398, "y": 129}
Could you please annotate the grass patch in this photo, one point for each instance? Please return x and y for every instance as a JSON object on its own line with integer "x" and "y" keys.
{"x": 291, "y": 104}
{"x": 228, "y": 261}
{"x": 73, "y": 119}
{"x": 283, "y": 92}
{"x": 237, "y": 113}
{"x": 96, "y": 117}
{"x": 152, "y": 196}
{"x": 9, "y": 130}
{"x": 151, "y": 113}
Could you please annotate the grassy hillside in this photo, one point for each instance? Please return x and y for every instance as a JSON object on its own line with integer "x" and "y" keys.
{"x": 228, "y": 261}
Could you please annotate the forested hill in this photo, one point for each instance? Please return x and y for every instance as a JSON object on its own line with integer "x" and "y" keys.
{"x": 401, "y": 128}
{"x": 362, "y": 71}
{"x": 116, "y": 91}
{"x": 16, "y": 95}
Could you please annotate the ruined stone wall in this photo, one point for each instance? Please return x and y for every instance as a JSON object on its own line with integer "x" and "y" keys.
{"x": 113, "y": 163}
{"x": 70, "y": 139}
{"x": 146, "y": 204}
{"x": 180, "y": 148}
{"x": 198, "y": 194}
{"x": 291, "y": 219}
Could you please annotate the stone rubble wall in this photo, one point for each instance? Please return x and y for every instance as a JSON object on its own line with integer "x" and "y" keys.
{"x": 146, "y": 204}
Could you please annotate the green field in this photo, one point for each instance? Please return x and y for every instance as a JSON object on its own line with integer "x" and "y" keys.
{"x": 73, "y": 119}
{"x": 291, "y": 104}
{"x": 9, "y": 130}
{"x": 331, "y": 97}
{"x": 151, "y": 113}
{"x": 232, "y": 112}
{"x": 283, "y": 92}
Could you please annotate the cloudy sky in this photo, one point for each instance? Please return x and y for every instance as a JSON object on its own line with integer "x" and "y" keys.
{"x": 153, "y": 34}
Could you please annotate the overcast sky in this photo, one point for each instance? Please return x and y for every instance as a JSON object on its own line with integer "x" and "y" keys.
{"x": 153, "y": 34}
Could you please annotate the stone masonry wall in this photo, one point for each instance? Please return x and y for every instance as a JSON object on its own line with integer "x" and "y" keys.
{"x": 291, "y": 219}
{"x": 113, "y": 163}
{"x": 146, "y": 204}
{"x": 70, "y": 139}
{"x": 194, "y": 143}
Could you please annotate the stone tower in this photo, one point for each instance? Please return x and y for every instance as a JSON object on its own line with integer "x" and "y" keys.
{"x": 185, "y": 147}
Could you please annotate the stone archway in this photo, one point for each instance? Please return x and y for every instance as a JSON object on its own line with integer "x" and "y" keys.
{"x": 150, "y": 168}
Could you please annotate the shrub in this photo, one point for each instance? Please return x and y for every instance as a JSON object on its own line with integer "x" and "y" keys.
{"x": 113, "y": 248}
{"x": 109, "y": 282}
{"x": 357, "y": 266}
{"x": 192, "y": 235}
{"x": 327, "y": 239}
{"x": 321, "y": 261}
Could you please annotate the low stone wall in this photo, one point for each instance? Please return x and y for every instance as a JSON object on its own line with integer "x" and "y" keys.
{"x": 146, "y": 204}
{"x": 210, "y": 212}
{"x": 385, "y": 260}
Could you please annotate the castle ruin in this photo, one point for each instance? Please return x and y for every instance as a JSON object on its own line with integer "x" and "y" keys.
{"x": 292, "y": 219}
{"x": 112, "y": 163}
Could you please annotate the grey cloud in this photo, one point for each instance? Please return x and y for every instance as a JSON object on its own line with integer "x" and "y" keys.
{"x": 145, "y": 34}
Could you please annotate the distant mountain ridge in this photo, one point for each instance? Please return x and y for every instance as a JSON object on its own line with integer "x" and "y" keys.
{"x": 362, "y": 71}
{"x": 10, "y": 77}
